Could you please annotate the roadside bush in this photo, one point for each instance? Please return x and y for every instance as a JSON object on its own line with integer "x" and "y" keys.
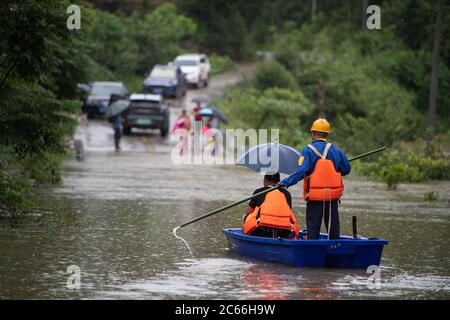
{"x": 431, "y": 196}
{"x": 273, "y": 75}
{"x": 274, "y": 108}
{"x": 43, "y": 167}
{"x": 399, "y": 172}
{"x": 220, "y": 64}
{"x": 12, "y": 195}
{"x": 405, "y": 167}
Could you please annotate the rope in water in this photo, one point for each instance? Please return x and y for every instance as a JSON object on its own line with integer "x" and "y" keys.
{"x": 185, "y": 242}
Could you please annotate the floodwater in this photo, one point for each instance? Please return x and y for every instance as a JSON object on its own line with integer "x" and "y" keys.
{"x": 114, "y": 214}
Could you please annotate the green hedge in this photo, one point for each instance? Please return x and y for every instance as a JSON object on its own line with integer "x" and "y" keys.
{"x": 220, "y": 64}
{"x": 405, "y": 167}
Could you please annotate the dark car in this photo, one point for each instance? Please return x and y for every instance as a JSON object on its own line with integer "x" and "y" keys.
{"x": 96, "y": 103}
{"x": 167, "y": 80}
{"x": 146, "y": 111}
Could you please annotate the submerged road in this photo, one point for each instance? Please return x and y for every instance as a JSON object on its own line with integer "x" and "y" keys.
{"x": 97, "y": 135}
{"x": 113, "y": 216}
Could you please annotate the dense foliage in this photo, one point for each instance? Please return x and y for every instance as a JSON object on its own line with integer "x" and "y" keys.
{"x": 40, "y": 65}
{"x": 406, "y": 167}
{"x": 270, "y": 108}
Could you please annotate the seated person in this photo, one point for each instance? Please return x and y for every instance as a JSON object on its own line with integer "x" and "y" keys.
{"x": 270, "y": 215}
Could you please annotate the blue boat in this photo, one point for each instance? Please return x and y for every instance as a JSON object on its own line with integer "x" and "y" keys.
{"x": 347, "y": 252}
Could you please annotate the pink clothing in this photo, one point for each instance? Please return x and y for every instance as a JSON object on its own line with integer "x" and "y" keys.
{"x": 182, "y": 123}
{"x": 206, "y": 131}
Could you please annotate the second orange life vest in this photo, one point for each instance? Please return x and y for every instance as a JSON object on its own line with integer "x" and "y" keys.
{"x": 274, "y": 212}
{"x": 324, "y": 183}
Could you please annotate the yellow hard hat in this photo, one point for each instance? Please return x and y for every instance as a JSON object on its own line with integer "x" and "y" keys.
{"x": 321, "y": 125}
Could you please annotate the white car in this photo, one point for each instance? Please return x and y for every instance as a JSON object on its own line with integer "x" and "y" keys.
{"x": 196, "y": 67}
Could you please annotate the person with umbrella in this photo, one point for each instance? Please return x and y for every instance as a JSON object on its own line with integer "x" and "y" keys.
{"x": 270, "y": 214}
{"x": 321, "y": 165}
{"x": 214, "y": 116}
{"x": 114, "y": 116}
{"x": 196, "y": 111}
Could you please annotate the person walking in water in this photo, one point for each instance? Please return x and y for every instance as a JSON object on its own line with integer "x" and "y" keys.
{"x": 321, "y": 166}
{"x": 116, "y": 122}
{"x": 183, "y": 121}
{"x": 181, "y": 128}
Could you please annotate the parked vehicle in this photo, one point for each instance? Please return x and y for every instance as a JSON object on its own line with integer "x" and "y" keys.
{"x": 99, "y": 94}
{"x": 196, "y": 67}
{"x": 167, "y": 80}
{"x": 146, "y": 111}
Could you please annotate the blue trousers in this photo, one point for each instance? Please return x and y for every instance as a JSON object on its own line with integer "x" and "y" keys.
{"x": 117, "y": 136}
{"x": 314, "y": 213}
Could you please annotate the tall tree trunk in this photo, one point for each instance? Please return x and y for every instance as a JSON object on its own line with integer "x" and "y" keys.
{"x": 365, "y": 4}
{"x": 313, "y": 9}
{"x": 431, "y": 117}
{"x": 321, "y": 98}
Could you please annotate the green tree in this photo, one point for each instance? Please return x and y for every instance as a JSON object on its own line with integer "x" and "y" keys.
{"x": 431, "y": 117}
{"x": 273, "y": 75}
{"x": 160, "y": 36}
{"x": 35, "y": 114}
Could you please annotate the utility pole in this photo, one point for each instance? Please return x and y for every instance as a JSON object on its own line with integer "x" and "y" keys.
{"x": 313, "y": 9}
{"x": 365, "y": 4}
{"x": 432, "y": 102}
{"x": 321, "y": 98}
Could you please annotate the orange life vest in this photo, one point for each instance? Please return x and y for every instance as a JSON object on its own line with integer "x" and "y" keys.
{"x": 324, "y": 183}
{"x": 274, "y": 212}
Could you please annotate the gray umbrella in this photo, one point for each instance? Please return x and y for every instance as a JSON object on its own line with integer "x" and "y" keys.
{"x": 271, "y": 158}
{"x": 117, "y": 107}
{"x": 219, "y": 114}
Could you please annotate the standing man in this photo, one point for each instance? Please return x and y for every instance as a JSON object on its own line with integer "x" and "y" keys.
{"x": 116, "y": 122}
{"x": 321, "y": 165}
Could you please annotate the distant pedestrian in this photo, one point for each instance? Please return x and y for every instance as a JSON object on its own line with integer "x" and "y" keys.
{"x": 196, "y": 111}
{"x": 116, "y": 121}
{"x": 183, "y": 122}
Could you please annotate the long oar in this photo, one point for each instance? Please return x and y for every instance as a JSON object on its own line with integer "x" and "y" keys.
{"x": 226, "y": 207}
{"x": 260, "y": 193}
{"x": 367, "y": 153}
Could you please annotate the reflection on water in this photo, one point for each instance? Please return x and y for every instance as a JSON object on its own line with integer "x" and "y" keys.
{"x": 114, "y": 216}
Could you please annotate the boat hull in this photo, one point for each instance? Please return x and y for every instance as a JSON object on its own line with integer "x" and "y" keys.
{"x": 346, "y": 252}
